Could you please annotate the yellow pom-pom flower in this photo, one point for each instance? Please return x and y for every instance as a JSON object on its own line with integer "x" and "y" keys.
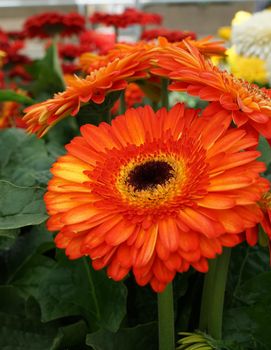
{"x": 251, "y": 69}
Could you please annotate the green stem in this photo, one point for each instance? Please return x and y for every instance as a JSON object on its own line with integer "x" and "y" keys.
{"x": 122, "y": 107}
{"x": 164, "y": 93}
{"x": 216, "y": 307}
{"x": 166, "y": 319}
{"x": 108, "y": 116}
{"x": 207, "y": 295}
{"x": 212, "y": 302}
{"x": 116, "y": 29}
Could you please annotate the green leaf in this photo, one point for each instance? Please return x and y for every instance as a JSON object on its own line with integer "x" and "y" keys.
{"x": 24, "y": 159}
{"x": 94, "y": 113}
{"x": 74, "y": 288}
{"x": 19, "y": 331}
{"x": 141, "y": 337}
{"x": 10, "y": 95}
{"x": 20, "y": 206}
{"x": 73, "y": 335}
{"x": 8, "y": 238}
{"x": 247, "y": 317}
{"x": 265, "y": 149}
{"x": 47, "y": 74}
{"x": 28, "y": 244}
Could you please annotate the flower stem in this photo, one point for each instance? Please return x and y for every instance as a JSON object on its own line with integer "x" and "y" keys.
{"x": 216, "y": 307}
{"x": 212, "y": 303}
{"x": 164, "y": 93}
{"x": 207, "y": 295}
{"x": 122, "y": 107}
{"x": 166, "y": 319}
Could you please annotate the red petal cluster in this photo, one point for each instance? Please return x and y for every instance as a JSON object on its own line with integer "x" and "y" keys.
{"x": 171, "y": 35}
{"x": 48, "y": 24}
{"x": 129, "y": 17}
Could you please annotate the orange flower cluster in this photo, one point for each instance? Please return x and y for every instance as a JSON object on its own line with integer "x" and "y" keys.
{"x": 124, "y": 63}
{"x": 113, "y": 77}
{"x": 155, "y": 193}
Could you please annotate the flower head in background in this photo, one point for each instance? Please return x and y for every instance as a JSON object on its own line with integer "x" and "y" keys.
{"x": 252, "y": 69}
{"x": 224, "y": 33}
{"x": 48, "y": 24}
{"x": 129, "y": 17}
{"x": 97, "y": 42}
{"x": 171, "y": 35}
{"x": 155, "y": 193}
{"x": 252, "y": 34}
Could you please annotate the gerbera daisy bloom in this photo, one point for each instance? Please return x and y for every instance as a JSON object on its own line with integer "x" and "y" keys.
{"x": 95, "y": 41}
{"x": 133, "y": 95}
{"x": 155, "y": 193}
{"x": 69, "y": 51}
{"x": 74, "y": 24}
{"x": 143, "y": 18}
{"x": 113, "y": 77}
{"x": 47, "y": 24}
{"x": 129, "y": 17}
{"x": 171, "y": 35}
{"x": 195, "y": 74}
{"x": 265, "y": 206}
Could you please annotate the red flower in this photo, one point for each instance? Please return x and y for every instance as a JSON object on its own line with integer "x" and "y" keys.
{"x": 252, "y": 234}
{"x": 94, "y": 41}
{"x": 19, "y": 71}
{"x": 128, "y": 17}
{"x": 171, "y": 35}
{"x": 48, "y": 24}
{"x": 16, "y": 35}
{"x": 74, "y": 23}
{"x": 69, "y": 68}
{"x": 69, "y": 51}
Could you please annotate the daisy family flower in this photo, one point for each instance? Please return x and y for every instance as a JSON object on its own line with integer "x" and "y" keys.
{"x": 155, "y": 193}
{"x": 192, "y": 72}
{"x": 47, "y": 24}
{"x": 265, "y": 206}
{"x": 113, "y": 77}
{"x": 129, "y": 17}
{"x": 171, "y": 35}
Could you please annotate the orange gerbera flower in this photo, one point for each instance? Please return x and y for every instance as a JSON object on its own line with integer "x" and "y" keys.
{"x": 252, "y": 233}
{"x": 155, "y": 193}
{"x": 113, "y": 77}
{"x": 90, "y": 61}
{"x": 193, "y": 73}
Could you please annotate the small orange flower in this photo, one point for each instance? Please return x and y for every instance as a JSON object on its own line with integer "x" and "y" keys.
{"x": 133, "y": 95}
{"x": 252, "y": 233}
{"x": 155, "y": 193}
{"x": 113, "y": 77}
{"x": 193, "y": 73}
{"x": 10, "y": 115}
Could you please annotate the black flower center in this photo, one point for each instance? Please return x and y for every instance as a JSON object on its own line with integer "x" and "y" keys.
{"x": 150, "y": 174}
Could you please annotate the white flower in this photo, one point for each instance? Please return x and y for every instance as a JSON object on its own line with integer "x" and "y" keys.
{"x": 252, "y": 37}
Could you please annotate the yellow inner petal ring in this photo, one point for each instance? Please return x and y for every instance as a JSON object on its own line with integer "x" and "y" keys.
{"x": 151, "y": 180}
